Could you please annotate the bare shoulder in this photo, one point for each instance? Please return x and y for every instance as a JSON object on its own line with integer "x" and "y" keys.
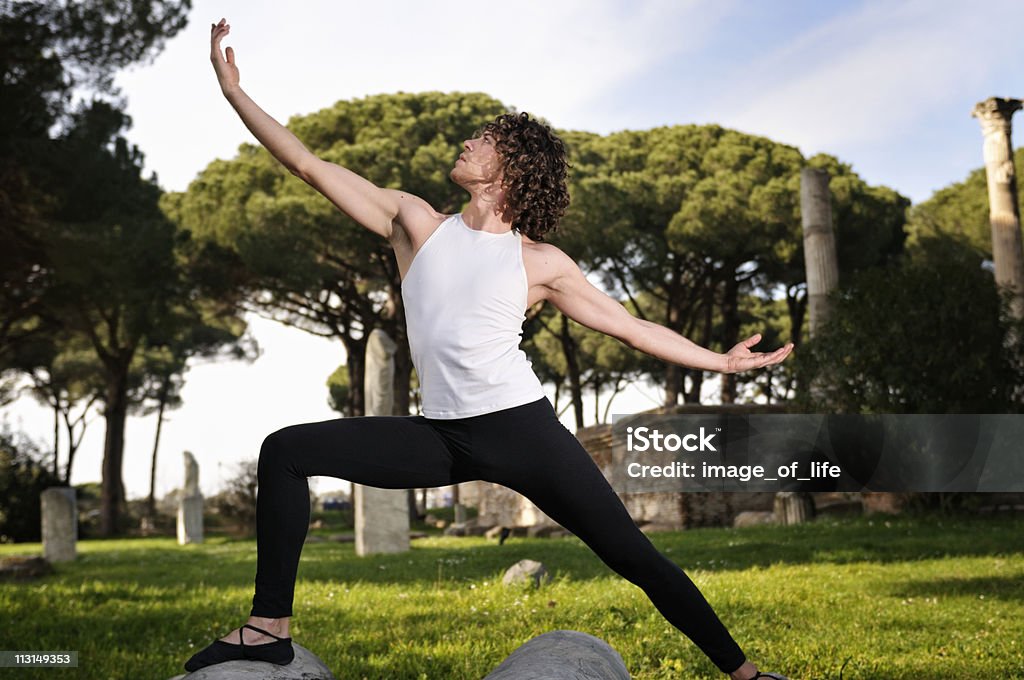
{"x": 416, "y": 219}
{"x": 545, "y": 263}
{"x": 413, "y": 224}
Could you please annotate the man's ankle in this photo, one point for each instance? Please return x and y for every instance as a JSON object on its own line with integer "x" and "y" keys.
{"x": 276, "y": 626}
{"x": 744, "y": 672}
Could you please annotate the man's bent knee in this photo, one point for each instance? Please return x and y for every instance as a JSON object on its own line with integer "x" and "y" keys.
{"x": 274, "y": 458}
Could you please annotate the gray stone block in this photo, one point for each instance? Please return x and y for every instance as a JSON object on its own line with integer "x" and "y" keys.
{"x": 190, "y": 504}
{"x": 60, "y": 523}
{"x": 381, "y": 520}
{"x": 190, "y": 520}
{"x": 381, "y": 515}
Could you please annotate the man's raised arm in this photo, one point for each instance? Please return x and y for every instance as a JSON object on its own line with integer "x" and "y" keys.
{"x": 362, "y": 200}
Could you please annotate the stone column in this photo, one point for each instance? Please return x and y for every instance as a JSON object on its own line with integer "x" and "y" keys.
{"x": 822, "y": 266}
{"x": 60, "y": 523}
{"x": 820, "y": 257}
{"x": 190, "y": 505}
{"x": 381, "y": 515}
{"x": 995, "y": 115}
{"x": 792, "y": 507}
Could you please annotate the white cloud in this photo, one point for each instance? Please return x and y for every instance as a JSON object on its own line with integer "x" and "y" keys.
{"x": 872, "y": 75}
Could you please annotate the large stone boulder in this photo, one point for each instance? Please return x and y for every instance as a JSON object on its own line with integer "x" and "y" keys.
{"x": 305, "y": 666}
{"x": 562, "y": 655}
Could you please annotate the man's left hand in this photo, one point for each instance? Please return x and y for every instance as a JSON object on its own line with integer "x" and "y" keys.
{"x": 740, "y": 358}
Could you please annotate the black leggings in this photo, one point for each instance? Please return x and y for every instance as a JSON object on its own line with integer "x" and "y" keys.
{"x": 525, "y": 448}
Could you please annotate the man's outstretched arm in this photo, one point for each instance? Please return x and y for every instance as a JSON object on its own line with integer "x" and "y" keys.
{"x": 571, "y": 293}
{"x": 375, "y": 208}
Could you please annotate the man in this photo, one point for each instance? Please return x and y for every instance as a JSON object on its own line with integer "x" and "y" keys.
{"x": 467, "y": 281}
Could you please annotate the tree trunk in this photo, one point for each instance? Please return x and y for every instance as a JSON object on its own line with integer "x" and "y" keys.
{"x": 696, "y": 375}
{"x": 72, "y": 447}
{"x": 573, "y": 369}
{"x": 73, "y": 441}
{"x": 797, "y": 308}
{"x": 730, "y": 329}
{"x": 151, "y": 501}
{"x": 112, "y": 495}
{"x": 674, "y": 373}
{"x": 403, "y": 377}
{"x": 402, "y": 361}
{"x": 356, "y": 365}
{"x": 414, "y": 513}
{"x": 56, "y": 440}
{"x": 616, "y": 388}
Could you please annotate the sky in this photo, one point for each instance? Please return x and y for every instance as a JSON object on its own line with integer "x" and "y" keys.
{"x": 887, "y": 87}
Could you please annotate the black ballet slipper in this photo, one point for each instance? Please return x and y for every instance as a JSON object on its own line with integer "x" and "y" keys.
{"x": 279, "y": 652}
{"x": 773, "y": 676}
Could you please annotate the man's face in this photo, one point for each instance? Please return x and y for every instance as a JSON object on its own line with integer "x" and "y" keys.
{"x": 479, "y": 162}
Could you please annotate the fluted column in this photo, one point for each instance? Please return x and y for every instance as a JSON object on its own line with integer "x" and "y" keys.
{"x": 822, "y": 267}
{"x": 995, "y": 116}
{"x": 820, "y": 258}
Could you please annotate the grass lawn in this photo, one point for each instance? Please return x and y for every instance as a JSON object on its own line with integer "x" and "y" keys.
{"x": 860, "y": 598}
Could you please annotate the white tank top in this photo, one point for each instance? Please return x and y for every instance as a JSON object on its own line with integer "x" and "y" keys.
{"x": 465, "y": 303}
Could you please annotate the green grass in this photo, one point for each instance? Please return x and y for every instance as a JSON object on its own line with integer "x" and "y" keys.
{"x": 879, "y": 598}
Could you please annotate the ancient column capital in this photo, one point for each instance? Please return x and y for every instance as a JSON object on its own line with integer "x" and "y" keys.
{"x": 995, "y": 113}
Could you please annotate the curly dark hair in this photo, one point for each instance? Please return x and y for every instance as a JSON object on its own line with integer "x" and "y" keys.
{"x": 534, "y": 170}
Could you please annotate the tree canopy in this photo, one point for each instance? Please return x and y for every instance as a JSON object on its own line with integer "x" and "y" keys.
{"x": 90, "y": 264}
{"x": 699, "y": 221}
{"x": 689, "y": 225}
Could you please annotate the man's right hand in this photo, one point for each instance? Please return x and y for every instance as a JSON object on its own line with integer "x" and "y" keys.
{"x": 227, "y": 72}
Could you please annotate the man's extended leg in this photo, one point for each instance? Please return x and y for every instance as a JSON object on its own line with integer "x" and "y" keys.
{"x": 382, "y": 451}
{"x": 530, "y": 451}
{"x": 390, "y": 452}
